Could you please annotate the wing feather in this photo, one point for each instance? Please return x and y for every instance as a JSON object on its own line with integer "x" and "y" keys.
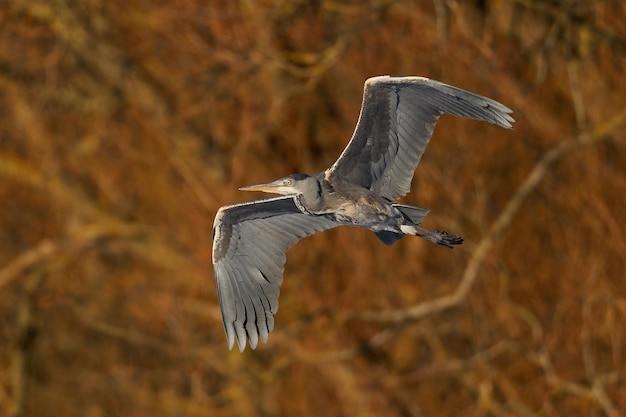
{"x": 398, "y": 117}
{"x": 249, "y": 245}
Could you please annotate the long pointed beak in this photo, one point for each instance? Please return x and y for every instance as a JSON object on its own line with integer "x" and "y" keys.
{"x": 270, "y": 187}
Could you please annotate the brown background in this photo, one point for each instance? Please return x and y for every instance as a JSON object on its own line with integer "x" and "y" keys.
{"x": 124, "y": 125}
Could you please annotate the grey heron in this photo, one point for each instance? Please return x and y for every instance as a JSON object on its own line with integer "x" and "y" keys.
{"x": 397, "y": 119}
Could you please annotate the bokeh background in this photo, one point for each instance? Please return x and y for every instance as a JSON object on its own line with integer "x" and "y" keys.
{"x": 125, "y": 125}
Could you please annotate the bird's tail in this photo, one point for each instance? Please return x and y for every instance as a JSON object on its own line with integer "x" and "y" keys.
{"x": 412, "y": 215}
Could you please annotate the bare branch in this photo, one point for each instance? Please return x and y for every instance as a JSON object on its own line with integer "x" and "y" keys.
{"x": 26, "y": 325}
{"x": 44, "y": 250}
{"x": 470, "y": 275}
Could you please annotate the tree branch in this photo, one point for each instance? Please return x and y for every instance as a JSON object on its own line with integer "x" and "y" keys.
{"x": 600, "y": 133}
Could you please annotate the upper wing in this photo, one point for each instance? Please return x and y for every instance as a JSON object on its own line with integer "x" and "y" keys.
{"x": 249, "y": 245}
{"x": 397, "y": 119}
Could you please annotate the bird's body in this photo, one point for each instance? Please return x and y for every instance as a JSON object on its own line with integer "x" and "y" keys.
{"x": 353, "y": 205}
{"x": 397, "y": 119}
{"x": 346, "y": 202}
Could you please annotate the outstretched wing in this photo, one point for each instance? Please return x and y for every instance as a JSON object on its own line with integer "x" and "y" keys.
{"x": 249, "y": 245}
{"x": 397, "y": 119}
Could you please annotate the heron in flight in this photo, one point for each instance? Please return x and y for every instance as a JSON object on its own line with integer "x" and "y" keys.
{"x": 397, "y": 119}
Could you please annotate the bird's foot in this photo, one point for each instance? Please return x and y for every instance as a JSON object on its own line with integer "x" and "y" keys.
{"x": 445, "y": 239}
{"x": 438, "y": 236}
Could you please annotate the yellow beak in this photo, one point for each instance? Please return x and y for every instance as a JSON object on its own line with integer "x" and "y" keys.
{"x": 266, "y": 188}
{"x": 275, "y": 187}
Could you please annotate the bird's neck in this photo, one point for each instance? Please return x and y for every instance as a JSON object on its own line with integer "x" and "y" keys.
{"x": 311, "y": 201}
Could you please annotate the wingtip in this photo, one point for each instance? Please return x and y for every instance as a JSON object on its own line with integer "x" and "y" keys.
{"x": 241, "y": 344}
{"x": 232, "y": 335}
{"x": 501, "y": 113}
{"x": 507, "y": 120}
{"x": 253, "y": 342}
{"x": 230, "y": 340}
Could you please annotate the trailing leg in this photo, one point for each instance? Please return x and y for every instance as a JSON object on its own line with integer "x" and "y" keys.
{"x": 439, "y": 237}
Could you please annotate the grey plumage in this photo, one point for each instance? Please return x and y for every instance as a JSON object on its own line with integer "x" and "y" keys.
{"x": 397, "y": 119}
{"x": 250, "y": 241}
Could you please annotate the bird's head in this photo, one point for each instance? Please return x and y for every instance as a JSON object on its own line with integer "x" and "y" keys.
{"x": 289, "y": 185}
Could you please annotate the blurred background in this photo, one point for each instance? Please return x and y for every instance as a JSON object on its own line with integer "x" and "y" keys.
{"x": 125, "y": 125}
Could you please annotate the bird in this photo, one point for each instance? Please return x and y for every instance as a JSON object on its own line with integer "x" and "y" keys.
{"x": 396, "y": 121}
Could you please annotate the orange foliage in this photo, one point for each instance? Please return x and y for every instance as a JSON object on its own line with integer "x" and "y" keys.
{"x": 126, "y": 124}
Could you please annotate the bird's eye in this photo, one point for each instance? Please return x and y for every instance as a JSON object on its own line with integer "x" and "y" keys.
{"x": 288, "y": 182}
